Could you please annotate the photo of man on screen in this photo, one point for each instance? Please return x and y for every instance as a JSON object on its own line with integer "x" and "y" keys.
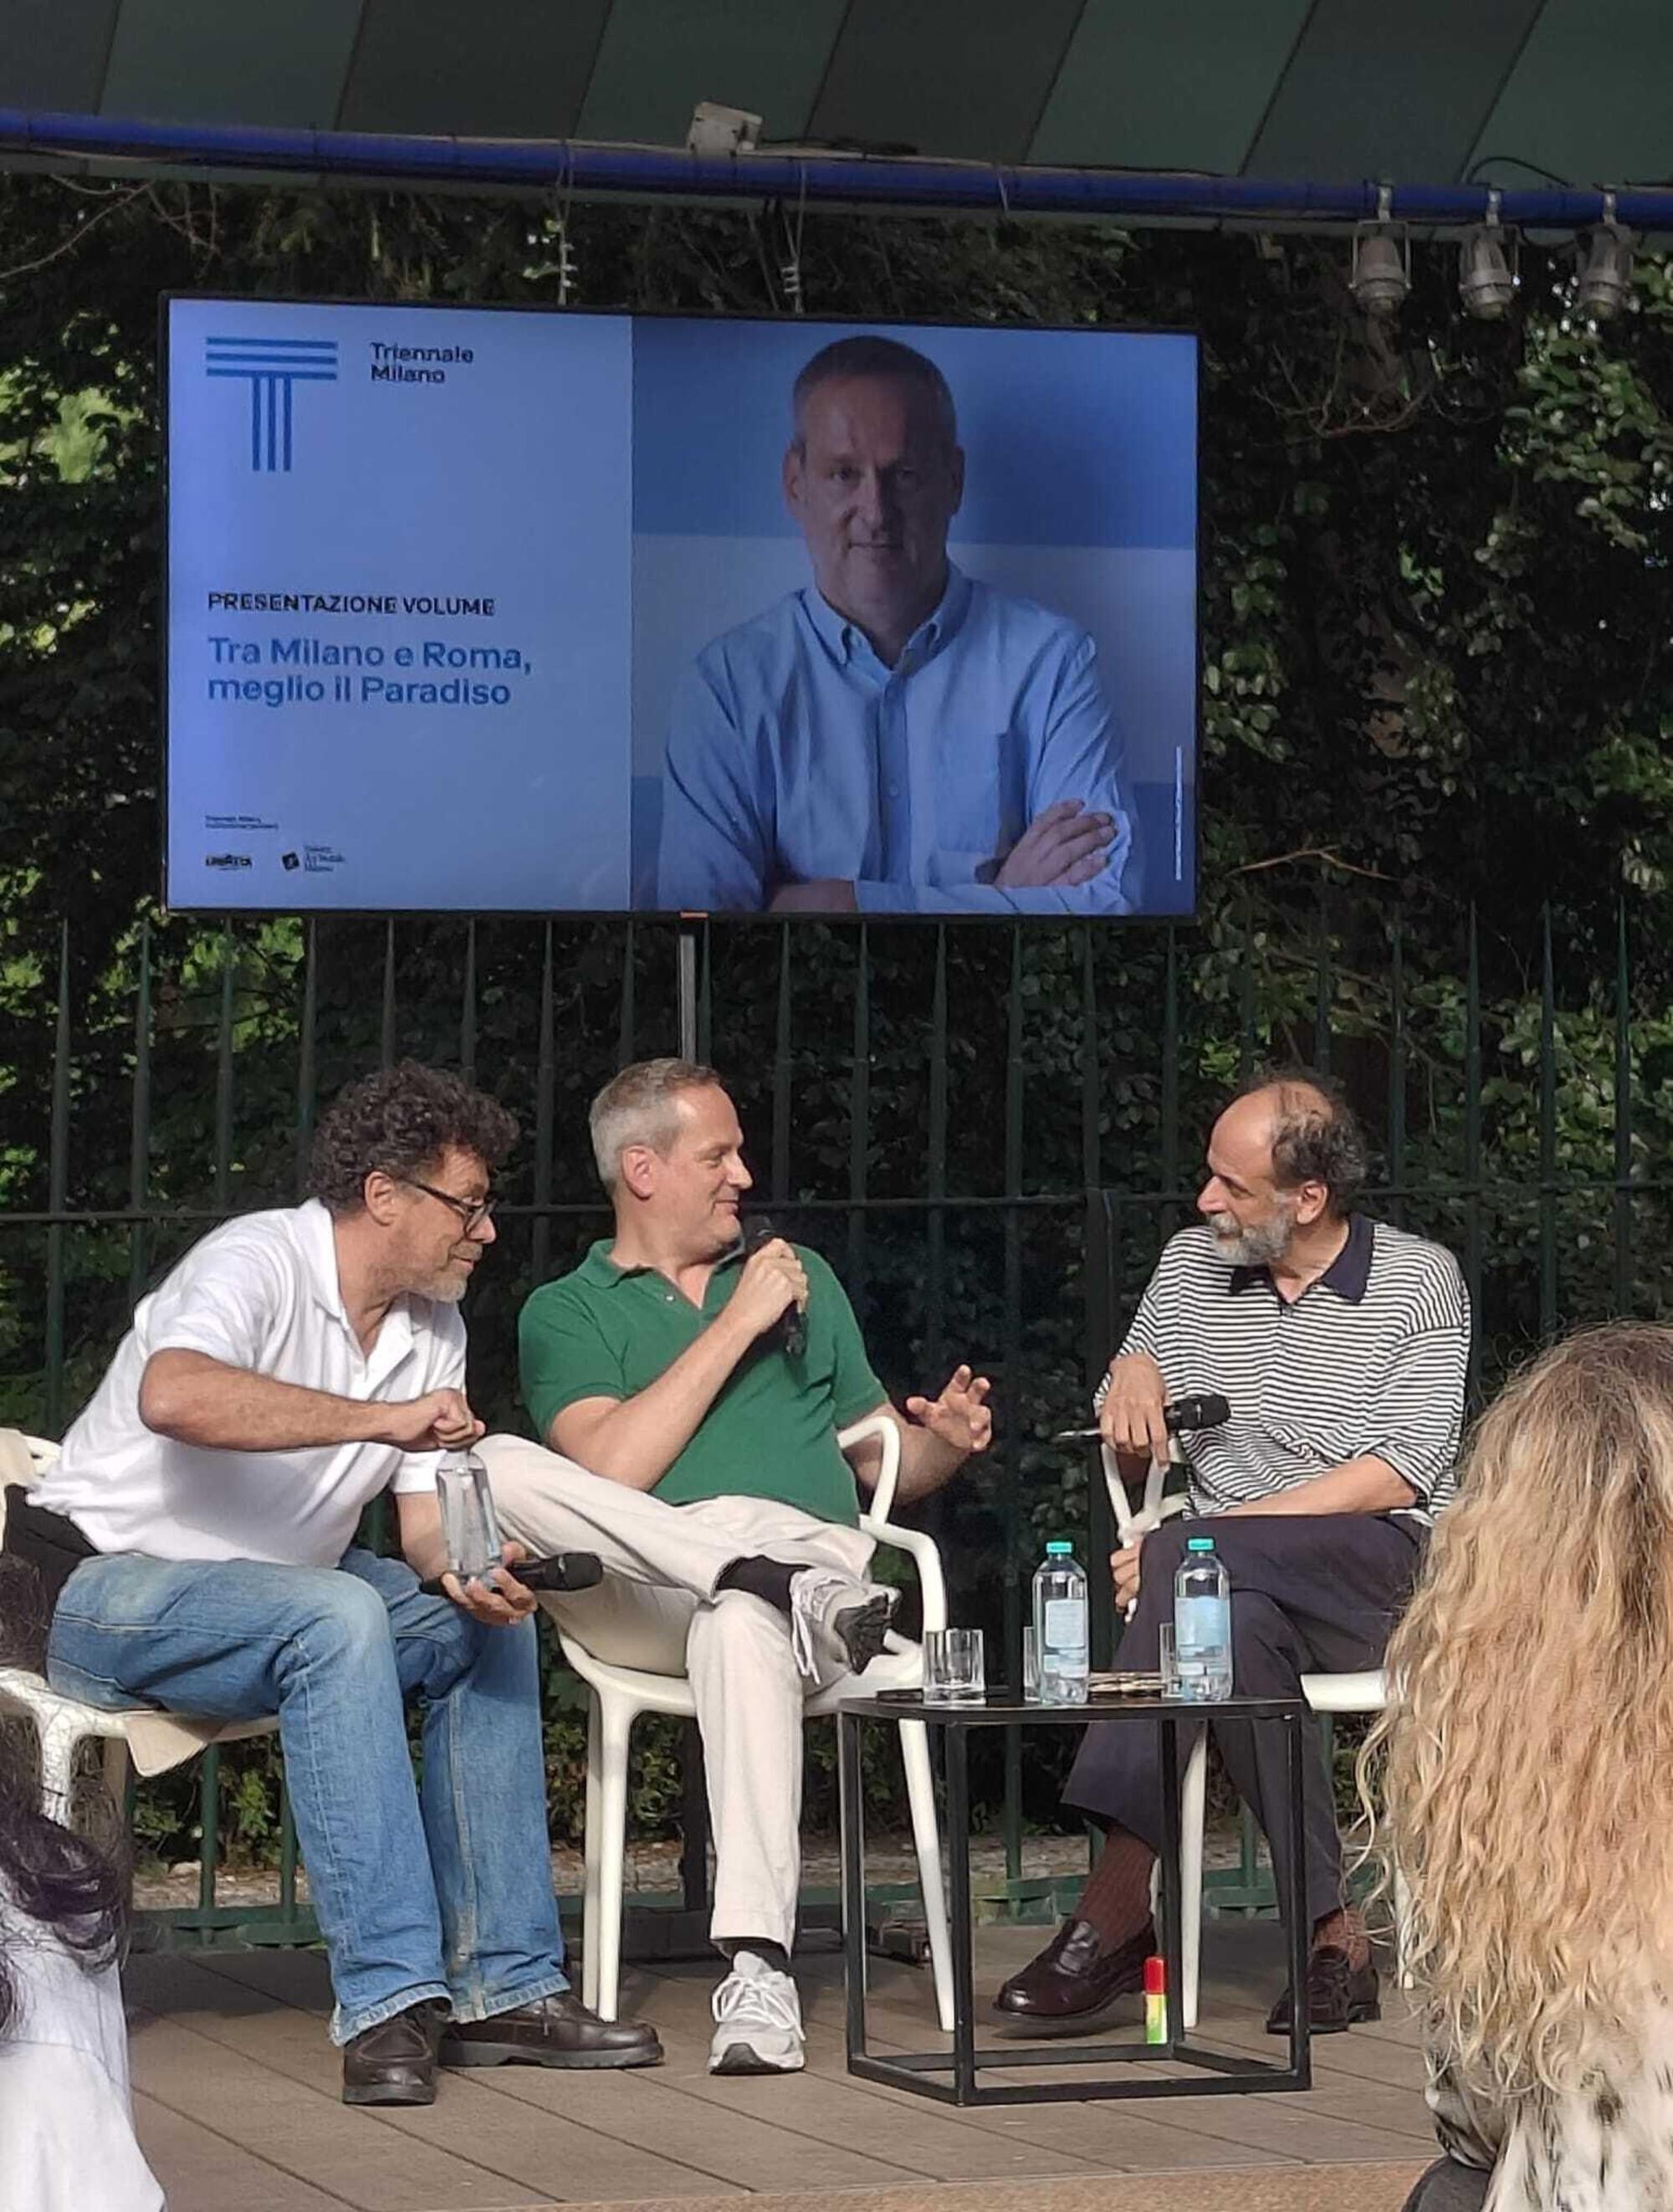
{"x": 899, "y": 737}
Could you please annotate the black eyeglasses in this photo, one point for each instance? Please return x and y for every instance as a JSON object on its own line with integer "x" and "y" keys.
{"x": 472, "y": 1213}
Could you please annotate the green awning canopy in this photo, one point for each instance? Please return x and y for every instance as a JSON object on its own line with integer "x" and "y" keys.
{"x": 1439, "y": 91}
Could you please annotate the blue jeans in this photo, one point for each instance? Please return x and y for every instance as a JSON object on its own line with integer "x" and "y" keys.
{"x": 437, "y": 1890}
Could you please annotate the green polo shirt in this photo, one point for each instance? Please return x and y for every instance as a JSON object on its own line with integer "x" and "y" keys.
{"x": 608, "y": 1332}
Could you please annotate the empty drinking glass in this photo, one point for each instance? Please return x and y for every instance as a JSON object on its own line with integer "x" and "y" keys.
{"x": 954, "y": 1671}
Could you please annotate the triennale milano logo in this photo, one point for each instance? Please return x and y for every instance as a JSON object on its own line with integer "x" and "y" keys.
{"x": 272, "y": 366}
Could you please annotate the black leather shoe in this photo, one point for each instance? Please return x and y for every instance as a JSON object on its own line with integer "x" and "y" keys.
{"x": 395, "y": 2062}
{"x": 1076, "y": 1980}
{"x": 555, "y": 2031}
{"x": 1339, "y": 1994}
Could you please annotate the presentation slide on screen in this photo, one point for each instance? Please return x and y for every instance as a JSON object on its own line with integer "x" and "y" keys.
{"x": 494, "y": 610}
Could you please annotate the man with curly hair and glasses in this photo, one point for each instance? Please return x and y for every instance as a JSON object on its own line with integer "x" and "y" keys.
{"x": 291, "y": 1367}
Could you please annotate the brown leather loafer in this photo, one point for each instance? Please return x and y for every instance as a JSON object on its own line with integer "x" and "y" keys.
{"x": 1339, "y": 1994}
{"x": 1076, "y": 1979}
{"x": 555, "y": 2031}
{"x": 395, "y": 2062}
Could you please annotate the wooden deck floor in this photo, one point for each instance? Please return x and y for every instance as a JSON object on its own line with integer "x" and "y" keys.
{"x": 237, "y": 2104}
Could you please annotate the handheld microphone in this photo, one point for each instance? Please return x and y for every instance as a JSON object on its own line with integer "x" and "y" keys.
{"x": 790, "y": 1331}
{"x": 1206, "y": 1409}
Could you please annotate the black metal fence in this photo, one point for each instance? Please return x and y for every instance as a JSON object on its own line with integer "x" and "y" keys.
{"x": 989, "y": 1131}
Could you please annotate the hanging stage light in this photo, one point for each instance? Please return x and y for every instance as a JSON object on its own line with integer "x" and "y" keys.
{"x": 1606, "y": 267}
{"x": 1380, "y": 276}
{"x": 1487, "y": 279}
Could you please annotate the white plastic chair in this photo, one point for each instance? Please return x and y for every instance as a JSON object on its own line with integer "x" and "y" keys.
{"x": 63, "y": 1725}
{"x": 1363, "y": 1692}
{"x": 620, "y": 1694}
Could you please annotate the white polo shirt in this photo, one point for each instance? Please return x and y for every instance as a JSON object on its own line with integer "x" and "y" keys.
{"x": 261, "y": 1292}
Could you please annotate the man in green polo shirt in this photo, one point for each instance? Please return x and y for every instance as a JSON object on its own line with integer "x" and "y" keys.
{"x": 676, "y": 1361}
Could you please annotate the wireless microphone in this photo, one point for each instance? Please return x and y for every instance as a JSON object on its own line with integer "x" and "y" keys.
{"x": 1207, "y": 1409}
{"x": 790, "y": 1331}
{"x": 558, "y": 1571}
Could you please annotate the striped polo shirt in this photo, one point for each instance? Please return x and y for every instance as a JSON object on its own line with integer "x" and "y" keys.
{"x": 1369, "y": 1359}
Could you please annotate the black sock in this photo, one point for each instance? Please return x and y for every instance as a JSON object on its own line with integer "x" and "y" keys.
{"x": 769, "y": 1579}
{"x": 774, "y": 1953}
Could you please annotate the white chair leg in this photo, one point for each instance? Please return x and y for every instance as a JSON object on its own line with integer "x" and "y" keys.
{"x": 59, "y": 1741}
{"x": 616, "y": 1716}
{"x": 593, "y": 1848}
{"x": 926, "y": 1835}
{"x": 1193, "y": 1795}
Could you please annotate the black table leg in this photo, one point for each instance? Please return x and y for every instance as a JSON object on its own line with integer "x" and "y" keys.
{"x": 957, "y": 1742}
{"x": 851, "y": 1823}
{"x": 1172, "y": 1949}
{"x": 1300, "y": 2028}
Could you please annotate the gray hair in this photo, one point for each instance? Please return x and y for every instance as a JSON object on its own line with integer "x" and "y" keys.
{"x": 1316, "y": 1134}
{"x": 870, "y": 355}
{"x": 640, "y": 1106}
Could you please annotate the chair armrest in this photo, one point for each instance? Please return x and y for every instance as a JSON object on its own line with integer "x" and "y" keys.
{"x": 932, "y": 1583}
{"x": 882, "y": 1427}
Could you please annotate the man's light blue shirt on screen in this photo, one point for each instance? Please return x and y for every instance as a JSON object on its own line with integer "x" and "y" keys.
{"x": 794, "y": 753}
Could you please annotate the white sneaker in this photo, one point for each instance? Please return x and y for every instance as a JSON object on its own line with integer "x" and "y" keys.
{"x": 837, "y": 1625}
{"x": 758, "y": 2020}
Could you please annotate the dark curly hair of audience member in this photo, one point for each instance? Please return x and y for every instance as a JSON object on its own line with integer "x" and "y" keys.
{"x": 50, "y": 1876}
{"x": 402, "y": 1120}
{"x": 1315, "y": 1138}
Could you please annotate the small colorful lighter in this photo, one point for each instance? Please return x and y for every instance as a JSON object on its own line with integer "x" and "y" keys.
{"x": 1155, "y": 2000}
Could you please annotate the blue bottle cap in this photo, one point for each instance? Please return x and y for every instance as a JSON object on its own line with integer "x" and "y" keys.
{"x": 1058, "y": 1547}
{"x": 1199, "y": 1543}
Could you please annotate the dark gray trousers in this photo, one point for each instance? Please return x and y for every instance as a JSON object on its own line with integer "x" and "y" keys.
{"x": 1311, "y": 1593}
{"x": 1446, "y": 2186}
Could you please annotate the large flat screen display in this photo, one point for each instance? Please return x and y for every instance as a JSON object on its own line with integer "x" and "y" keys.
{"x": 494, "y": 610}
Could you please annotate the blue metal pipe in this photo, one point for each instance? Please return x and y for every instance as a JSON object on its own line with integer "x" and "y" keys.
{"x": 813, "y": 177}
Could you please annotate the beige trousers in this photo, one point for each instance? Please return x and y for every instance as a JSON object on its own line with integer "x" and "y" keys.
{"x": 656, "y": 1609}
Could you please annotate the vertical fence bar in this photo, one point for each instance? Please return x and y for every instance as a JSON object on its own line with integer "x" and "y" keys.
{"x": 625, "y": 1029}
{"x": 223, "y": 1072}
{"x": 208, "y": 1794}
{"x": 781, "y": 1034}
{"x": 1623, "y": 1117}
{"x": 1012, "y": 1471}
{"x": 386, "y": 1023}
{"x": 705, "y": 992}
{"x": 1396, "y": 1077}
{"x": 468, "y": 1006}
{"x": 1474, "y": 1199}
{"x": 1098, "y": 1295}
{"x": 1322, "y": 986}
{"x": 139, "y": 1126}
{"x": 935, "y": 1309}
{"x": 540, "y": 1244}
{"x": 58, "y": 1193}
{"x": 1170, "y": 1082}
{"x": 1246, "y": 991}
{"x": 1548, "y": 1133}
{"x": 859, "y": 1118}
{"x": 307, "y": 1063}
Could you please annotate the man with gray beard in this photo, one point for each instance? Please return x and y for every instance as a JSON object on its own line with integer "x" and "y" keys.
{"x": 1342, "y": 1344}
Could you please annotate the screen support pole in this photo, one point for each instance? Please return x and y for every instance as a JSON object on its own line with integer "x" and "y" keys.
{"x": 689, "y": 927}
{"x": 694, "y": 1799}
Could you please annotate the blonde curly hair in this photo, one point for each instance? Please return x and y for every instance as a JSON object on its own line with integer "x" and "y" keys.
{"x": 1525, "y": 1765}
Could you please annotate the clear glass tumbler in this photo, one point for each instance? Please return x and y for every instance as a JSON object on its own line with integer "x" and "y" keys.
{"x": 954, "y": 1672}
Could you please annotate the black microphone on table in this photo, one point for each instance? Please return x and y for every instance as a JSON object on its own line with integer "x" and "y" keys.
{"x": 790, "y": 1331}
{"x": 1204, "y": 1409}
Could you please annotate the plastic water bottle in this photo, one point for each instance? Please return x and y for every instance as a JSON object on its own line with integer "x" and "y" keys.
{"x": 469, "y": 1528}
{"x": 1203, "y": 1625}
{"x": 1060, "y": 1626}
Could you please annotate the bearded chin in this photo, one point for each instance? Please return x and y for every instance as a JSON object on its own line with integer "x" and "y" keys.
{"x": 1251, "y": 1248}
